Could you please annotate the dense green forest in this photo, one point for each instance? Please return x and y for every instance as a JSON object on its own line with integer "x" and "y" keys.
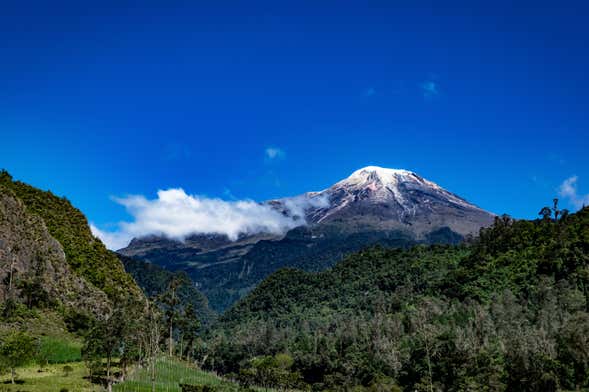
{"x": 155, "y": 281}
{"x": 505, "y": 312}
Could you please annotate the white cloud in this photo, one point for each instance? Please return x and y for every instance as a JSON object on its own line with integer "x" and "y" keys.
{"x": 274, "y": 153}
{"x": 175, "y": 214}
{"x": 568, "y": 190}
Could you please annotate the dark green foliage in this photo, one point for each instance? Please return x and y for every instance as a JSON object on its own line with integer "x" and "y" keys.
{"x": 84, "y": 253}
{"x": 155, "y": 281}
{"x": 270, "y": 371}
{"x": 118, "y": 335}
{"x": 77, "y": 321}
{"x": 12, "y": 310}
{"x": 506, "y": 312}
{"x": 33, "y": 293}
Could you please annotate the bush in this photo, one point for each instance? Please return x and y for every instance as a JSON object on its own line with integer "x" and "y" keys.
{"x": 12, "y": 310}
{"x": 67, "y": 370}
{"x": 77, "y": 321}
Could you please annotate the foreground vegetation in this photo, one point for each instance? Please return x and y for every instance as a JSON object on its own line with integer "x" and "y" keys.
{"x": 507, "y": 312}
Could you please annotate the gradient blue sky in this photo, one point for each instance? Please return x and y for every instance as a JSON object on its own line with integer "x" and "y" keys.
{"x": 115, "y": 98}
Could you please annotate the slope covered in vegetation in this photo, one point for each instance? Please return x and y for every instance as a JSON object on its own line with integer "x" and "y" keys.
{"x": 155, "y": 281}
{"x": 86, "y": 255}
{"x": 506, "y": 312}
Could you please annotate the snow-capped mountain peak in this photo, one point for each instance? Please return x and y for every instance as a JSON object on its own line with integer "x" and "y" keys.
{"x": 377, "y": 198}
{"x": 382, "y": 173}
{"x": 396, "y": 198}
{"x": 375, "y": 177}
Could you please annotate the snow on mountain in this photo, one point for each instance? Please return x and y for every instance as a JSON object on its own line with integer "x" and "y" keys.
{"x": 380, "y": 198}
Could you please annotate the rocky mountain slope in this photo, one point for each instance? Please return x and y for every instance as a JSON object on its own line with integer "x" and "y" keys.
{"x": 49, "y": 259}
{"x": 86, "y": 255}
{"x": 33, "y": 268}
{"x": 395, "y": 208}
{"x": 57, "y": 279}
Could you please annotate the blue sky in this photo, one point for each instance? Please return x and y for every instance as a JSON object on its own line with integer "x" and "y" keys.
{"x": 267, "y": 99}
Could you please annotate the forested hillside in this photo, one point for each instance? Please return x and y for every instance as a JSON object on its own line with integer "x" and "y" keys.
{"x": 155, "y": 281}
{"x": 87, "y": 256}
{"x": 507, "y": 312}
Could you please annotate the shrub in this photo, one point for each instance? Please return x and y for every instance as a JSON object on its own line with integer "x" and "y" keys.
{"x": 67, "y": 370}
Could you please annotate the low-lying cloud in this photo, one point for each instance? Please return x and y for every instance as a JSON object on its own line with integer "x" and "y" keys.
{"x": 568, "y": 190}
{"x": 176, "y": 215}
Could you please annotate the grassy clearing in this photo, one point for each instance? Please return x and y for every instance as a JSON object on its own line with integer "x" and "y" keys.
{"x": 58, "y": 350}
{"x": 170, "y": 374}
{"x": 51, "y": 379}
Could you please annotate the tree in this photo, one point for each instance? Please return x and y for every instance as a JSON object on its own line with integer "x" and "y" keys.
{"x": 151, "y": 338}
{"x": 545, "y": 213}
{"x": 426, "y": 331}
{"x": 33, "y": 292}
{"x": 189, "y": 326}
{"x": 555, "y": 209}
{"x": 111, "y": 337}
{"x": 171, "y": 301}
{"x": 16, "y": 350}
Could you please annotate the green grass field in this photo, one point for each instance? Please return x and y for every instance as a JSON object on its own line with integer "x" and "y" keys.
{"x": 59, "y": 350}
{"x": 51, "y": 379}
{"x": 170, "y": 374}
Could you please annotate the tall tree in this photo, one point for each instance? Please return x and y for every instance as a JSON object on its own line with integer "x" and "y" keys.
{"x": 170, "y": 300}
{"x": 189, "y": 326}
